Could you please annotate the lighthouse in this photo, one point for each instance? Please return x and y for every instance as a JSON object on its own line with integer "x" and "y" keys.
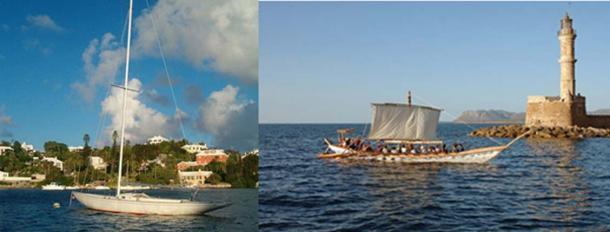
{"x": 566, "y": 36}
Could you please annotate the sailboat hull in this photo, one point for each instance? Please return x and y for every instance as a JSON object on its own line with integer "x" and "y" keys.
{"x": 152, "y": 206}
{"x": 480, "y": 155}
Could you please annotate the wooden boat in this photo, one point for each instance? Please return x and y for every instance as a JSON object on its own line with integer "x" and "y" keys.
{"x": 139, "y": 203}
{"x": 400, "y": 125}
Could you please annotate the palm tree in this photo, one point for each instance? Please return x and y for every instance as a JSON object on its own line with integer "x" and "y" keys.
{"x": 86, "y": 139}
{"x": 115, "y": 136}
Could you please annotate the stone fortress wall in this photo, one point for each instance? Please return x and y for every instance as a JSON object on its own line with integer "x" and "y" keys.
{"x": 554, "y": 111}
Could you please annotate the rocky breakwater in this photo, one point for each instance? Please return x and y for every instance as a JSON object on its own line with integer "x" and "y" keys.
{"x": 512, "y": 131}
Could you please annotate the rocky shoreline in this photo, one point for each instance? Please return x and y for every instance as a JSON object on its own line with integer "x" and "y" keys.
{"x": 512, "y": 131}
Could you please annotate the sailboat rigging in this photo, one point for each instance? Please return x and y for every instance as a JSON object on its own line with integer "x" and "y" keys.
{"x": 139, "y": 203}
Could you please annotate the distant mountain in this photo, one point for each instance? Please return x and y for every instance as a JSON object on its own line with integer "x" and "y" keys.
{"x": 490, "y": 116}
{"x": 600, "y": 112}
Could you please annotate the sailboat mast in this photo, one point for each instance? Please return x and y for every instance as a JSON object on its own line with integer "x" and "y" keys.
{"x": 118, "y": 189}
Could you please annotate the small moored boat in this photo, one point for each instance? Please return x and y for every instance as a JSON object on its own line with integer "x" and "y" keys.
{"x": 53, "y": 186}
{"x": 134, "y": 187}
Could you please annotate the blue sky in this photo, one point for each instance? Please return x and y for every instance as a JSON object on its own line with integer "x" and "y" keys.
{"x": 325, "y": 62}
{"x": 42, "y": 50}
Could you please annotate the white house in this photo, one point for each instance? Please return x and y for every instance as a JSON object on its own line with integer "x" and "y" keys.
{"x": 157, "y": 139}
{"x": 5, "y": 177}
{"x": 253, "y": 152}
{"x": 194, "y": 148}
{"x": 57, "y": 163}
{"x": 27, "y": 147}
{"x": 4, "y": 149}
{"x": 159, "y": 161}
{"x": 75, "y": 148}
{"x": 97, "y": 163}
{"x": 193, "y": 178}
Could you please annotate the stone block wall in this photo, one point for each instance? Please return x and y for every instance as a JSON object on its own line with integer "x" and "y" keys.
{"x": 548, "y": 111}
{"x": 598, "y": 121}
{"x": 554, "y": 111}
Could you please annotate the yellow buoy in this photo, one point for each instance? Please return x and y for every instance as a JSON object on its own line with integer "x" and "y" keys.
{"x": 56, "y": 205}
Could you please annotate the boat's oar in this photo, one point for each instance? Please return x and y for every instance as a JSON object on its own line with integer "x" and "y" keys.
{"x": 518, "y": 137}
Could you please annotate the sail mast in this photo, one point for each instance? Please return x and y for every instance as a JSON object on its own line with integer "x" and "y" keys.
{"x": 118, "y": 189}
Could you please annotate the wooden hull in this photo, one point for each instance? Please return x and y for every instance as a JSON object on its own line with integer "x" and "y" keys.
{"x": 154, "y": 206}
{"x": 479, "y": 155}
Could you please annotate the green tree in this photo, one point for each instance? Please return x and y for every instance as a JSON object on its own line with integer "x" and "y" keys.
{"x": 86, "y": 139}
{"x": 17, "y": 147}
{"x": 234, "y": 171}
{"x": 214, "y": 179}
{"x": 250, "y": 170}
{"x": 86, "y": 149}
{"x": 56, "y": 149}
{"x": 218, "y": 168}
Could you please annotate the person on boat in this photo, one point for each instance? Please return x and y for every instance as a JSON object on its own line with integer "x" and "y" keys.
{"x": 353, "y": 145}
{"x": 423, "y": 149}
{"x": 357, "y": 143}
{"x": 403, "y": 149}
{"x": 460, "y": 147}
{"x": 444, "y": 149}
{"x": 436, "y": 149}
{"x": 379, "y": 147}
{"x": 385, "y": 149}
{"x": 366, "y": 147}
{"x": 348, "y": 142}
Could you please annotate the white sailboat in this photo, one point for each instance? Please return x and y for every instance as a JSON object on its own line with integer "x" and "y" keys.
{"x": 139, "y": 203}
{"x": 53, "y": 186}
{"x": 402, "y": 128}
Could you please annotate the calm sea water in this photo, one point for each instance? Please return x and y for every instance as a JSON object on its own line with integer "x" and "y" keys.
{"x": 31, "y": 210}
{"x": 556, "y": 184}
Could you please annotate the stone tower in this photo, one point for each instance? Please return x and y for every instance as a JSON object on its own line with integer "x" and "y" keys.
{"x": 566, "y": 37}
{"x": 568, "y": 109}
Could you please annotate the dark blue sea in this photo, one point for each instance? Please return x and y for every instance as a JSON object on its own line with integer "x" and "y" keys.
{"x": 536, "y": 184}
{"x": 31, "y": 210}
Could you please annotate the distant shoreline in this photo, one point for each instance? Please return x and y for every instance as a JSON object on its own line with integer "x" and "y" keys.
{"x": 357, "y": 123}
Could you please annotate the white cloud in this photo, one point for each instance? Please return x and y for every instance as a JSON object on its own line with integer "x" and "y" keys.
{"x": 43, "y": 21}
{"x": 5, "y": 122}
{"x": 5, "y": 119}
{"x": 35, "y": 45}
{"x": 222, "y": 35}
{"x": 102, "y": 60}
{"x": 141, "y": 122}
{"x": 231, "y": 120}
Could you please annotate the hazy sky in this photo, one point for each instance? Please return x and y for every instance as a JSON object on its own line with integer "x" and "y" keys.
{"x": 326, "y": 62}
{"x": 58, "y": 59}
